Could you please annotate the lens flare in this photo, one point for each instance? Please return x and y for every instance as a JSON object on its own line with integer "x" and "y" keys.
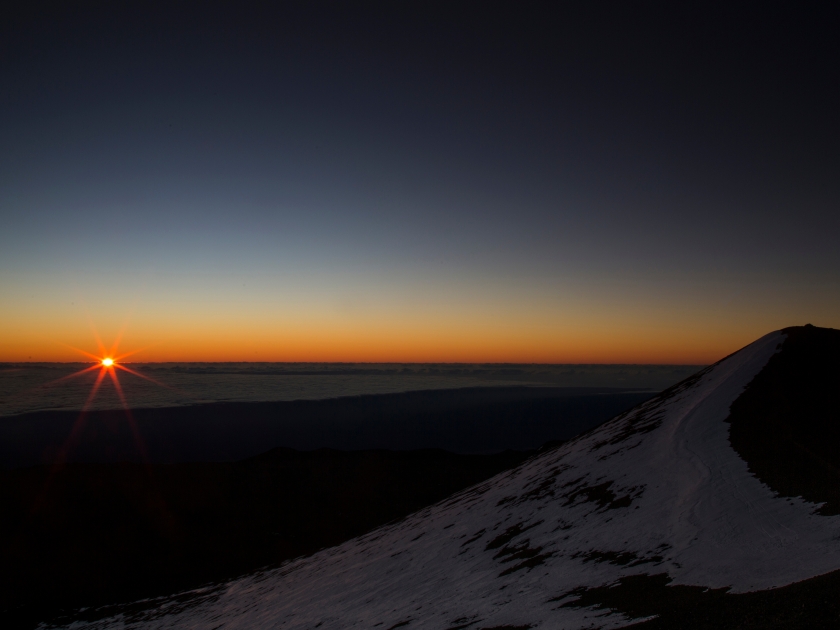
{"x": 108, "y": 363}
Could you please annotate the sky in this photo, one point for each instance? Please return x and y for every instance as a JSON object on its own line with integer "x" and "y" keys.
{"x": 555, "y": 183}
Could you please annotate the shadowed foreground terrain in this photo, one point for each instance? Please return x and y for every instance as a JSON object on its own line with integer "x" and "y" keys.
{"x": 805, "y": 605}
{"x": 93, "y": 534}
{"x": 470, "y": 420}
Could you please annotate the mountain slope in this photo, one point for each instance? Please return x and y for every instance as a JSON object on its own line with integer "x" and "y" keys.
{"x": 656, "y": 491}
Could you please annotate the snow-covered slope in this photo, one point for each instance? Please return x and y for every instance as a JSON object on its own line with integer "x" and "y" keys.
{"x": 656, "y": 490}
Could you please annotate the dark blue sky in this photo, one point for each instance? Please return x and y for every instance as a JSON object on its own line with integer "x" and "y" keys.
{"x": 545, "y": 175}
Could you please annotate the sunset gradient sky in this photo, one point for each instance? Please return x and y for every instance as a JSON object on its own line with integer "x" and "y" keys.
{"x": 568, "y": 182}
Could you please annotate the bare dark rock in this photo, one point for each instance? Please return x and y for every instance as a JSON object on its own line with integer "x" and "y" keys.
{"x": 786, "y": 424}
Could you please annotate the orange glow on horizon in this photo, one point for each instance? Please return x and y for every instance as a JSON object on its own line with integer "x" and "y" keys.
{"x": 223, "y": 337}
{"x": 396, "y": 346}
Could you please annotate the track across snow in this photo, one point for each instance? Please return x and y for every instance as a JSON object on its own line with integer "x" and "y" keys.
{"x": 655, "y": 490}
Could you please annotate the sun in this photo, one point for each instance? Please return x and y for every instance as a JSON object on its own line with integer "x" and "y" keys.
{"x": 108, "y": 363}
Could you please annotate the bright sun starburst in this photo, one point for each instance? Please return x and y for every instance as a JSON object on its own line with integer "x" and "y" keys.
{"x": 108, "y": 363}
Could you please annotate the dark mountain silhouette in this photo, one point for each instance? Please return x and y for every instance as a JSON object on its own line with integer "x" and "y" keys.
{"x": 786, "y": 424}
